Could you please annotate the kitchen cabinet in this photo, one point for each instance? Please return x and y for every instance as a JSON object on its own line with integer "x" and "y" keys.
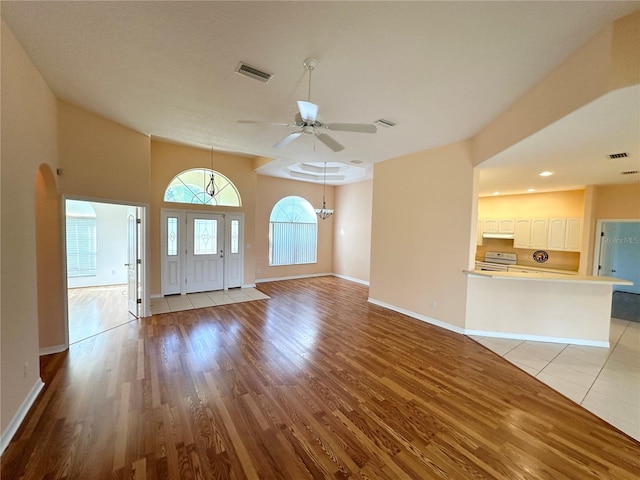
{"x": 565, "y": 234}
{"x": 479, "y": 234}
{"x": 498, "y": 225}
{"x": 531, "y": 233}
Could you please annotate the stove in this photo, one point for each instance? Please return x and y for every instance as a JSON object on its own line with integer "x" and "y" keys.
{"x": 497, "y": 261}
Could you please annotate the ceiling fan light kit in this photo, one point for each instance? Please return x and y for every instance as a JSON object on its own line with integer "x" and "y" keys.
{"x": 309, "y": 122}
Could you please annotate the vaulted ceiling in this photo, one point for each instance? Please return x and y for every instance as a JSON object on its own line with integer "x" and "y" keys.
{"x": 440, "y": 70}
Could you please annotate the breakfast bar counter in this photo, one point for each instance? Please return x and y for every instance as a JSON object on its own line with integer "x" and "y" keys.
{"x": 549, "y": 307}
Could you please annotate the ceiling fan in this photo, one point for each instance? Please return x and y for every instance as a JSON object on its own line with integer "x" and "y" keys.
{"x": 310, "y": 123}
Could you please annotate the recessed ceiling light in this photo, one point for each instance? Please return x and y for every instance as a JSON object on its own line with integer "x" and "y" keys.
{"x": 495, "y": 193}
{"x": 531, "y": 190}
{"x": 546, "y": 173}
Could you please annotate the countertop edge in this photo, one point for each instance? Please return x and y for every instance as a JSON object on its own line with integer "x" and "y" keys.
{"x": 545, "y": 277}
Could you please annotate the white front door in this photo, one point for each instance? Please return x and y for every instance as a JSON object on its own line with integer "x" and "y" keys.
{"x": 132, "y": 259}
{"x": 204, "y": 252}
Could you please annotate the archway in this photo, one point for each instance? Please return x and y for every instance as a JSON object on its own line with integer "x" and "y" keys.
{"x": 50, "y": 284}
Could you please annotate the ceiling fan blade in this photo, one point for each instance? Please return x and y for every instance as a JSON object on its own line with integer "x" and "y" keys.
{"x": 308, "y": 111}
{"x": 352, "y": 127}
{"x": 329, "y": 142}
{"x": 287, "y": 140}
{"x": 266, "y": 123}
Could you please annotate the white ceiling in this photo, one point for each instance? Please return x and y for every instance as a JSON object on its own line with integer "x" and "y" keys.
{"x": 441, "y": 70}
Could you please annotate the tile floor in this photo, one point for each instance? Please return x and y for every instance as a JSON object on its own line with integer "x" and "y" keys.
{"x": 605, "y": 381}
{"x": 177, "y": 303}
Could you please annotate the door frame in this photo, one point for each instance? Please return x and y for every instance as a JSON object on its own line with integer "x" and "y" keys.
{"x": 182, "y": 239}
{"x": 143, "y": 253}
{"x": 597, "y": 245}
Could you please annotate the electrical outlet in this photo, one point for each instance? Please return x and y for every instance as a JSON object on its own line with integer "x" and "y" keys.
{"x": 434, "y": 305}
{"x": 26, "y": 369}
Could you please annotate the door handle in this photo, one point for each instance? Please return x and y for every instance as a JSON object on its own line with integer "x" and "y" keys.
{"x": 127, "y": 264}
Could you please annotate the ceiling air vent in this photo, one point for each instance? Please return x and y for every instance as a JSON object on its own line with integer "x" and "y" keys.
{"x": 618, "y": 155}
{"x": 252, "y": 72}
{"x": 385, "y": 123}
{"x": 630, "y": 172}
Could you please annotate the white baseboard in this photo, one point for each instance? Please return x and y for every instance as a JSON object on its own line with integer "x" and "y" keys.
{"x": 18, "y": 418}
{"x": 53, "y": 349}
{"x": 293, "y": 277}
{"x": 536, "y": 338}
{"x": 250, "y": 285}
{"x": 156, "y": 295}
{"x": 351, "y": 279}
{"x": 417, "y": 316}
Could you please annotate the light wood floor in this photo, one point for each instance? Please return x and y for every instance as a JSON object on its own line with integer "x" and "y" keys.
{"x": 93, "y": 310}
{"x": 312, "y": 383}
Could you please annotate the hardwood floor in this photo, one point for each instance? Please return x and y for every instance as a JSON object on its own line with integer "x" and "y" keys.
{"x": 312, "y": 383}
{"x": 93, "y": 310}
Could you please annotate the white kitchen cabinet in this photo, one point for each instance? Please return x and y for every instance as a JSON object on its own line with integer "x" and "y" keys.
{"x": 573, "y": 234}
{"x": 522, "y": 233}
{"x": 479, "y": 234}
{"x": 565, "y": 234}
{"x": 539, "y": 230}
{"x": 557, "y": 227}
{"x": 498, "y": 225}
{"x": 530, "y": 233}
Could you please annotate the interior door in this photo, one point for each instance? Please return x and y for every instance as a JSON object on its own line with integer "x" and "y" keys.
{"x": 132, "y": 264}
{"x": 205, "y": 252}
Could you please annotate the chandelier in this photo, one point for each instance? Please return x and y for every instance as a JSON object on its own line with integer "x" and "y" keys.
{"x": 324, "y": 212}
{"x": 211, "y": 186}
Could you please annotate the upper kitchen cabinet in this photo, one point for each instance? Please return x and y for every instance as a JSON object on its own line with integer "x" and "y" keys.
{"x": 564, "y": 234}
{"x": 498, "y": 225}
{"x": 531, "y": 233}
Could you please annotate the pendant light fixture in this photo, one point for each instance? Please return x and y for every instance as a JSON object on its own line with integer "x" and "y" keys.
{"x": 324, "y": 212}
{"x": 211, "y": 186}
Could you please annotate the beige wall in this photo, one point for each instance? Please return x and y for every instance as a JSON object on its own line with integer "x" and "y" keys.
{"x": 100, "y": 158}
{"x": 608, "y": 61}
{"x": 270, "y": 190}
{"x": 28, "y": 110}
{"x": 49, "y": 257}
{"x": 533, "y": 205}
{"x": 352, "y": 230}
{"x": 420, "y": 232}
{"x": 168, "y": 160}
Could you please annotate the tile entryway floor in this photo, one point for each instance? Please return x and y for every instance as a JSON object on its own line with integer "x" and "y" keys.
{"x": 605, "y": 381}
{"x": 177, "y": 303}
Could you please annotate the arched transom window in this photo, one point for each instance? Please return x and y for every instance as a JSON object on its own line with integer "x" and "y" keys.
{"x": 190, "y": 187}
{"x": 293, "y": 232}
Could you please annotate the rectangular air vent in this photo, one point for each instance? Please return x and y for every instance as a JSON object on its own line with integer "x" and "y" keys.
{"x": 385, "y": 123}
{"x": 630, "y": 172}
{"x": 252, "y": 72}
{"x": 618, "y": 155}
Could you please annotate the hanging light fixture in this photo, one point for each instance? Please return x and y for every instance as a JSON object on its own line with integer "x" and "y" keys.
{"x": 211, "y": 186}
{"x": 324, "y": 212}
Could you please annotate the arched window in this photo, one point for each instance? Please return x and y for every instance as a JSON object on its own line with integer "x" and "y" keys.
{"x": 293, "y": 232}
{"x": 81, "y": 239}
{"x": 190, "y": 187}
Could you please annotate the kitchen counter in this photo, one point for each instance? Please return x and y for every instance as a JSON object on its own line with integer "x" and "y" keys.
{"x": 551, "y": 276}
{"x": 549, "y": 307}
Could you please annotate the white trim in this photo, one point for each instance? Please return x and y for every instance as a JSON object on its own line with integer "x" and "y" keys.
{"x": 53, "y": 349}
{"x": 351, "y": 279}
{"x": 157, "y": 295}
{"x": 20, "y": 415}
{"x": 537, "y": 338}
{"x": 292, "y": 277}
{"x": 417, "y": 316}
{"x": 250, "y": 285}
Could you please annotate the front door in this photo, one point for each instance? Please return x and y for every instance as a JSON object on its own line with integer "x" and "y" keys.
{"x": 205, "y": 252}
{"x": 132, "y": 259}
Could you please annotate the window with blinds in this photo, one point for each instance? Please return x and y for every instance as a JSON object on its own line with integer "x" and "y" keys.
{"x": 293, "y": 232}
{"x": 81, "y": 239}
